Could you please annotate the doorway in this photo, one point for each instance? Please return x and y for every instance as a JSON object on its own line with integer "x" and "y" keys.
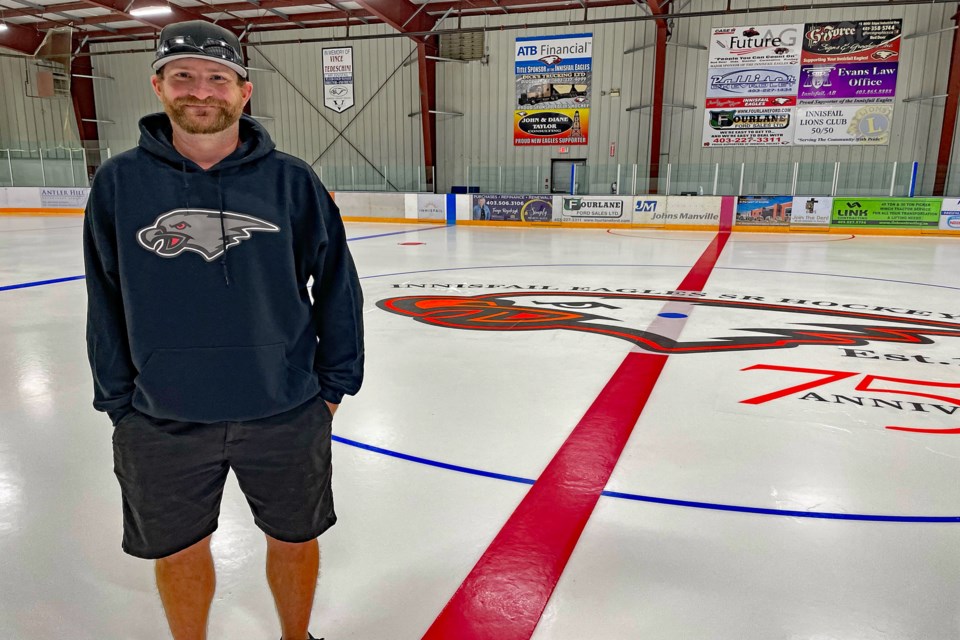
{"x": 561, "y": 173}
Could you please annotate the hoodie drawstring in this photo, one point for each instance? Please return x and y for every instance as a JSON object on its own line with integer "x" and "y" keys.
{"x": 223, "y": 233}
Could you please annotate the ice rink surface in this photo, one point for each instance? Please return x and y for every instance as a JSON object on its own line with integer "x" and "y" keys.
{"x": 794, "y": 473}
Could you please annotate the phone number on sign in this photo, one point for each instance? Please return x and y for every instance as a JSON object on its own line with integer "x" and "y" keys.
{"x": 750, "y": 140}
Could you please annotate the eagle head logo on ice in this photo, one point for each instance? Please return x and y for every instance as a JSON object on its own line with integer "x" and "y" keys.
{"x": 199, "y": 230}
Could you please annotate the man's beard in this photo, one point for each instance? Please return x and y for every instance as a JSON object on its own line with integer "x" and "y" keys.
{"x": 226, "y": 114}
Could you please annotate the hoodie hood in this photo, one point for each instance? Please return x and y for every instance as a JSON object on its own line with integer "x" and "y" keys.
{"x": 156, "y": 138}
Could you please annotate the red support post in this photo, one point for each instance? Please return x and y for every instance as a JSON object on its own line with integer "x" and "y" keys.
{"x": 949, "y": 114}
{"x": 85, "y": 108}
{"x": 428, "y": 104}
{"x": 659, "y": 83}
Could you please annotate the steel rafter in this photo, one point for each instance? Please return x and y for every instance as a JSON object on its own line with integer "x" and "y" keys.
{"x": 406, "y": 17}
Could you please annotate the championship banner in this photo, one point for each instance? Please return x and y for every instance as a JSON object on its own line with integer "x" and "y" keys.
{"x": 844, "y": 125}
{"x": 338, "y": 78}
{"x": 858, "y": 41}
{"x": 602, "y": 210}
{"x": 553, "y": 82}
{"x": 764, "y": 210}
{"x": 811, "y": 210}
{"x": 512, "y": 208}
{"x": 886, "y": 212}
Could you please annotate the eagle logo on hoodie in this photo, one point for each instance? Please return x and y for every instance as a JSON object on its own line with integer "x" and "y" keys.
{"x": 200, "y": 231}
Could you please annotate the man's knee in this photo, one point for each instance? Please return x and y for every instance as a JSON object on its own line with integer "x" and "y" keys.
{"x": 192, "y": 553}
{"x": 290, "y": 547}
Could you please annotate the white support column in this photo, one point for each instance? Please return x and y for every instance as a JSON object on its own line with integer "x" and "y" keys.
{"x": 796, "y": 172}
{"x": 618, "y": 180}
{"x": 716, "y": 177}
{"x": 836, "y": 178}
{"x": 43, "y": 171}
{"x": 742, "y": 169}
{"x": 893, "y": 179}
{"x": 633, "y": 191}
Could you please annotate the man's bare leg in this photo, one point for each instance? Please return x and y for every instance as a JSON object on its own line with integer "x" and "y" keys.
{"x": 292, "y": 570}
{"x": 186, "y": 582}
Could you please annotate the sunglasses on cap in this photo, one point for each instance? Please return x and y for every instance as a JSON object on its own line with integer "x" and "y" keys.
{"x": 211, "y": 48}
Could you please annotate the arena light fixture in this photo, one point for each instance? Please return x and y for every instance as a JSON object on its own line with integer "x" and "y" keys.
{"x": 142, "y": 8}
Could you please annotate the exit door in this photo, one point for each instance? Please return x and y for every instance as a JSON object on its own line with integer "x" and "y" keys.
{"x": 562, "y": 172}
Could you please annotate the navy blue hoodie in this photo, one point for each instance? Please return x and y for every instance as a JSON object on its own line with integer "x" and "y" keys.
{"x": 197, "y": 283}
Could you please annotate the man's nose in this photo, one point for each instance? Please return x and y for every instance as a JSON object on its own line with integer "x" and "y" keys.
{"x": 201, "y": 89}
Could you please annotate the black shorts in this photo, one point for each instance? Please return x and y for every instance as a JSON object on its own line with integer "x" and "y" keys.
{"x": 172, "y": 476}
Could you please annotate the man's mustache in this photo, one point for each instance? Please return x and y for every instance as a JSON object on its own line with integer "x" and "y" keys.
{"x": 197, "y": 102}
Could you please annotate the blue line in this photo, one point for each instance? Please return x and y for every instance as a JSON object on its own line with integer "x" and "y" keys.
{"x": 667, "y": 501}
{"x": 395, "y": 233}
{"x": 432, "y": 463}
{"x": 40, "y": 283}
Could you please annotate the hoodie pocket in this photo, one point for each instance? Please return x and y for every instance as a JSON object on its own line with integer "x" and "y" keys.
{"x": 220, "y": 383}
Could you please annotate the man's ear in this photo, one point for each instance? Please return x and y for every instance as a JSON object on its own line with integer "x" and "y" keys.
{"x": 155, "y": 81}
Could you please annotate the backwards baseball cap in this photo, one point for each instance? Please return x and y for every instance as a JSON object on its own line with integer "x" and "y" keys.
{"x": 199, "y": 39}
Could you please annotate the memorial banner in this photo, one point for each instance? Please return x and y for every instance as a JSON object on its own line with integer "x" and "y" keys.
{"x": 886, "y": 212}
{"x": 338, "y": 78}
{"x": 553, "y": 76}
{"x": 844, "y": 125}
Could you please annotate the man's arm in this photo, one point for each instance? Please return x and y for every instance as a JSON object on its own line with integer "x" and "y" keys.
{"x": 337, "y": 310}
{"x": 107, "y": 345}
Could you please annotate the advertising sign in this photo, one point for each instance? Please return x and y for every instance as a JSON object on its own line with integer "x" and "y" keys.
{"x": 547, "y": 127}
{"x": 950, "y": 214}
{"x": 748, "y": 127}
{"x": 512, "y": 208}
{"x": 756, "y": 46}
{"x": 65, "y": 197}
{"x": 846, "y": 83}
{"x": 844, "y": 124}
{"x": 752, "y": 81}
{"x": 590, "y": 209}
{"x": 858, "y": 41}
{"x": 811, "y": 210}
{"x": 646, "y": 208}
{"x": 764, "y": 210}
{"x": 553, "y": 76}
{"x": 338, "y": 78}
{"x": 688, "y": 211}
{"x": 431, "y": 206}
{"x": 886, "y": 212}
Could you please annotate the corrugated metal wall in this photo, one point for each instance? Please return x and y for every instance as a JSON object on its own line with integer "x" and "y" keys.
{"x": 372, "y": 145}
{"x": 481, "y": 142}
{"x": 369, "y": 146}
{"x": 483, "y": 137}
{"x": 380, "y": 144}
{"x": 28, "y": 123}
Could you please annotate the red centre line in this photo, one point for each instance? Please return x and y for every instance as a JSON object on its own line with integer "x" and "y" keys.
{"x": 506, "y": 592}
